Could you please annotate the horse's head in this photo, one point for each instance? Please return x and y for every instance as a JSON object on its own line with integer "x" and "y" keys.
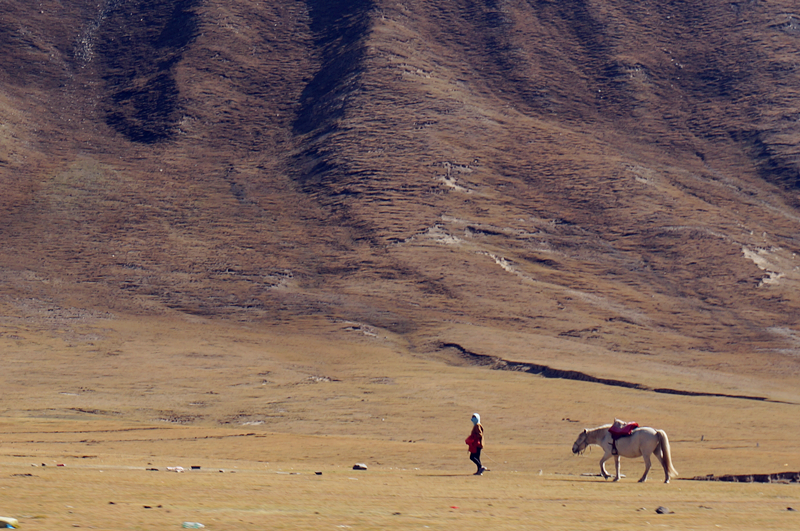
{"x": 580, "y": 443}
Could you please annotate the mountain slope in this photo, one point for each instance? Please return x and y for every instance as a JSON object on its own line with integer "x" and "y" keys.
{"x": 588, "y": 178}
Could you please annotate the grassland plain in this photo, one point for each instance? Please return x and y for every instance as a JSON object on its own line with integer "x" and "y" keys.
{"x": 260, "y": 411}
{"x": 276, "y": 238}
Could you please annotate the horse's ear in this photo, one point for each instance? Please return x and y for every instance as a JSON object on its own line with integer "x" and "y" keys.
{"x": 584, "y": 430}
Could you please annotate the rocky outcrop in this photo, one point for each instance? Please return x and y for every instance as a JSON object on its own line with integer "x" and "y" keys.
{"x": 779, "y": 477}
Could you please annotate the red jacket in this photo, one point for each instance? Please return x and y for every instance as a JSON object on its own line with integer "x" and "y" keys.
{"x": 475, "y": 439}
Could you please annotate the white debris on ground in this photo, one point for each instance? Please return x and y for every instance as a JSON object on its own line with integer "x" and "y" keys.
{"x": 761, "y": 258}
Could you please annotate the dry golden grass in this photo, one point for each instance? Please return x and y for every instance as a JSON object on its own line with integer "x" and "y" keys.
{"x": 246, "y": 494}
{"x": 261, "y": 410}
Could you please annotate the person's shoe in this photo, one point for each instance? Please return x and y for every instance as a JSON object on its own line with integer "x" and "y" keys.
{"x": 483, "y": 469}
{"x": 478, "y": 473}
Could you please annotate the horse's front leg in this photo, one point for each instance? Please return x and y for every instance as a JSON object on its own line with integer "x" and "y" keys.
{"x": 616, "y": 465}
{"x": 646, "y": 458}
{"x": 603, "y": 465}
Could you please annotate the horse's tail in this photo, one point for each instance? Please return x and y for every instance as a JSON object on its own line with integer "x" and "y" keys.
{"x": 664, "y": 441}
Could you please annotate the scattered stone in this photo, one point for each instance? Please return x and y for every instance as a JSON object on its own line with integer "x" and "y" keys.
{"x": 153, "y": 469}
{"x": 359, "y": 466}
{"x": 318, "y": 473}
{"x": 791, "y": 509}
{"x": 194, "y": 467}
{"x": 7, "y": 522}
{"x": 664, "y": 510}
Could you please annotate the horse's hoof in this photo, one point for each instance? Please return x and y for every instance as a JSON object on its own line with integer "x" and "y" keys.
{"x": 616, "y": 479}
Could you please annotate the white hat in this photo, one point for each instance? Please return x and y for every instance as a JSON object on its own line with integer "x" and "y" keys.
{"x": 476, "y": 418}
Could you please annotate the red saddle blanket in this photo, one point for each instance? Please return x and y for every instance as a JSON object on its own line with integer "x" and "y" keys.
{"x": 622, "y": 431}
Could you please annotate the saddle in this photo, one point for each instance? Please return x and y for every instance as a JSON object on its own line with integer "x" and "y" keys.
{"x": 618, "y": 430}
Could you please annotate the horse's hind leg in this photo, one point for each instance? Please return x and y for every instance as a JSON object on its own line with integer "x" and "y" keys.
{"x": 646, "y": 458}
{"x": 616, "y": 465}
{"x": 660, "y": 456}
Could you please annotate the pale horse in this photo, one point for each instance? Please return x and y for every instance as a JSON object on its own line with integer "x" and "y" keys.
{"x": 640, "y": 443}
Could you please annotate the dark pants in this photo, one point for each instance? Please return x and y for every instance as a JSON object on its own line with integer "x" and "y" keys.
{"x": 476, "y": 458}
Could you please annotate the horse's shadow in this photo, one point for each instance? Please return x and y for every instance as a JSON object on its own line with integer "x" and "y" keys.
{"x": 582, "y": 479}
{"x": 444, "y": 475}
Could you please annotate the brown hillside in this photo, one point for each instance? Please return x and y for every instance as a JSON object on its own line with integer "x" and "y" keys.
{"x": 568, "y": 183}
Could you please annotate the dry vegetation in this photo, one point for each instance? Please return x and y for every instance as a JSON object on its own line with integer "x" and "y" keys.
{"x": 276, "y": 238}
{"x": 261, "y": 410}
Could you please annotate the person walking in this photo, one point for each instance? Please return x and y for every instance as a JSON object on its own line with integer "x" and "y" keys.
{"x": 475, "y": 444}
